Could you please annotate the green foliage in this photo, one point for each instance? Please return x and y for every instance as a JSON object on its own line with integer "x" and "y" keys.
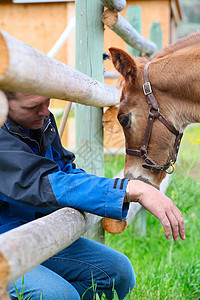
{"x": 166, "y": 269}
{"x": 113, "y": 164}
{"x": 190, "y": 17}
{"x": 191, "y": 10}
{"x": 103, "y": 296}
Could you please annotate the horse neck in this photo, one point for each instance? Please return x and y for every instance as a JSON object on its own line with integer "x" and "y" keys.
{"x": 174, "y": 79}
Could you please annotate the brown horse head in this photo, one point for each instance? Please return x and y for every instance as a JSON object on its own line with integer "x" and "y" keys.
{"x": 172, "y": 104}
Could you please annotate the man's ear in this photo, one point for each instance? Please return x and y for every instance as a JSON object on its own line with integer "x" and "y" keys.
{"x": 124, "y": 64}
{"x": 110, "y": 121}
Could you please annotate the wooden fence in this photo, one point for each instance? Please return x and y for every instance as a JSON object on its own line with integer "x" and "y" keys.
{"x": 3, "y": 108}
{"x": 27, "y": 70}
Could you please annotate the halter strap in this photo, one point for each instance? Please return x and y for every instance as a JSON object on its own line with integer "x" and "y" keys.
{"x": 155, "y": 114}
{"x": 148, "y": 90}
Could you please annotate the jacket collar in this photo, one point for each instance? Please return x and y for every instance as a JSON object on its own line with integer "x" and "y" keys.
{"x": 13, "y": 127}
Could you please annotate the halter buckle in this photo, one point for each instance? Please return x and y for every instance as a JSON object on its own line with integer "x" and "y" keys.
{"x": 147, "y": 88}
{"x": 171, "y": 168}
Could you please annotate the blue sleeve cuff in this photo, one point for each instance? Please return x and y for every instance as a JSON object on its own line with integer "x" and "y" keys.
{"x": 115, "y": 199}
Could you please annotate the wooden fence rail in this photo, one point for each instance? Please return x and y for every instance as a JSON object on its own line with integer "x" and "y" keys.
{"x": 118, "y": 5}
{"x": 3, "y": 108}
{"x": 121, "y": 27}
{"x": 24, "y": 69}
{"x": 23, "y": 248}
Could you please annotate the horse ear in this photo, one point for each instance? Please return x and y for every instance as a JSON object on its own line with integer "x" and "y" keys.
{"x": 110, "y": 121}
{"x": 124, "y": 64}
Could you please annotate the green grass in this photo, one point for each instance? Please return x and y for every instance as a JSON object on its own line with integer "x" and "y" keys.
{"x": 113, "y": 164}
{"x": 165, "y": 269}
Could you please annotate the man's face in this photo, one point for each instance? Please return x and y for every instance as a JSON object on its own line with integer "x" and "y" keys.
{"x": 29, "y": 111}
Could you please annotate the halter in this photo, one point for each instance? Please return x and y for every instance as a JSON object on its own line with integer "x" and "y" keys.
{"x": 155, "y": 114}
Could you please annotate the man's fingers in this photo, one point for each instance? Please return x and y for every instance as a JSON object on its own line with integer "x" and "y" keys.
{"x": 182, "y": 229}
{"x": 181, "y": 226}
{"x": 173, "y": 221}
{"x": 174, "y": 225}
{"x": 166, "y": 225}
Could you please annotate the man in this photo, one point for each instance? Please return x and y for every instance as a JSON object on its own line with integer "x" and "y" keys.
{"x": 38, "y": 175}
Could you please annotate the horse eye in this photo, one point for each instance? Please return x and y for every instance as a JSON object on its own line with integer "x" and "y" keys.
{"x": 125, "y": 120}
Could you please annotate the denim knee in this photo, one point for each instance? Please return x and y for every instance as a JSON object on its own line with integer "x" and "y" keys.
{"x": 124, "y": 280}
{"x": 61, "y": 293}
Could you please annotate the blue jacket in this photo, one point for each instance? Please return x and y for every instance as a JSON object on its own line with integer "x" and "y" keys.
{"x": 38, "y": 176}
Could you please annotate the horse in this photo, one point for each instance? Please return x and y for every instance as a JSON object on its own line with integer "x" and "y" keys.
{"x": 159, "y": 99}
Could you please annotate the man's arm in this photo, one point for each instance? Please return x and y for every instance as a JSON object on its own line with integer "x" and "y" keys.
{"x": 40, "y": 184}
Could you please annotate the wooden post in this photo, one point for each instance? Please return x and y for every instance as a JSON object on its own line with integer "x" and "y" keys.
{"x": 89, "y": 60}
{"x": 140, "y": 222}
{"x": 156, "y": 35}
{"x": 4, "y": 295}
{"x": 134, "y": 17}
{"x": 64, "y": 118}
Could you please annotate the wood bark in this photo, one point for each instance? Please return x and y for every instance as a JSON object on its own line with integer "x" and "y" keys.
{"x": 27, "y": 70}
{"x": 4, "y": 295}
{"x": 27, "y": 246}
{"x": 4, "y": 275}
{"x": 122, "y": 28}
{"x": 118, "y": 5}
{"x": 3, "y": 108}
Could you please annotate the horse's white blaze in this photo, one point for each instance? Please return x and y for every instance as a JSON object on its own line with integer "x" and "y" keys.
{"x": 132, "y": 116}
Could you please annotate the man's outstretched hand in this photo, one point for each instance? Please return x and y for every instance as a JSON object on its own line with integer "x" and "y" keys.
{"x": 160, "y": 206}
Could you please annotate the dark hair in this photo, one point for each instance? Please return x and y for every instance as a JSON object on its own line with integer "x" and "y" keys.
{"x": 10, "y": 95}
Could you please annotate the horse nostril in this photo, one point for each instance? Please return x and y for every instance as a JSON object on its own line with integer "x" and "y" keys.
{"x": 128, "y": 175}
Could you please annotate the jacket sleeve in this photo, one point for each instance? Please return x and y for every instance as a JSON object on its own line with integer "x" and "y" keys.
{"x": 98, "y": 195}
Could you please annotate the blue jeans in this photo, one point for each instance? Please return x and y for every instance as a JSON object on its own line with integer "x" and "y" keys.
{"x": 84, "y": 265}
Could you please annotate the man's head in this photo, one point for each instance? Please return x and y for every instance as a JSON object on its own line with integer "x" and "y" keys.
{"x": 27, "y": 110}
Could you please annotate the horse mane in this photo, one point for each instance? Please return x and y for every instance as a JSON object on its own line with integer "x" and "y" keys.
{"x": 191, "y": 40}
